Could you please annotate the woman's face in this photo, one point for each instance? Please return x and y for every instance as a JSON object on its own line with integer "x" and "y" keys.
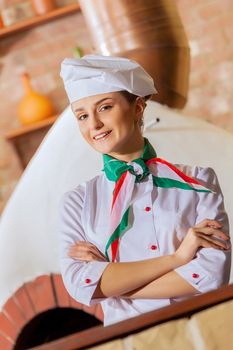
{"x": 109, "y": 123}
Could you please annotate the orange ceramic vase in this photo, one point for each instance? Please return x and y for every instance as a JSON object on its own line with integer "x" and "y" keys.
{"x": 33, "y": 107}
{"x": 1, "y": 22}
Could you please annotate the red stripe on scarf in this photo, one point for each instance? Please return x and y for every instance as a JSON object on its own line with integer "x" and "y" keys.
{"x": 114, "y": 247}
{"x": 118, "y": 185}
{"x": 176, "y": 170}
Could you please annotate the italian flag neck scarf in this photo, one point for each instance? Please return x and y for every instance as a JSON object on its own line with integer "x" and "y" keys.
{"x": 125, "y": 175}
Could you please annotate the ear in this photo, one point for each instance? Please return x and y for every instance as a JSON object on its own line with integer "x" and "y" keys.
{"x": 139, "y": 107}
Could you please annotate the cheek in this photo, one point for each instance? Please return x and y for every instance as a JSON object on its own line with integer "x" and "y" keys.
{"x": 128, "y": 122}
{"x": 124, "y": 119}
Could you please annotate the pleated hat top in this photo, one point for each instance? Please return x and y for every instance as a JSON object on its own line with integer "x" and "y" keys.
{"x": 96, "y": 74}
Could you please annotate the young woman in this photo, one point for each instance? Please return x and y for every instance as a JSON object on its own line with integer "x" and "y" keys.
{"x": 144, "y": 233}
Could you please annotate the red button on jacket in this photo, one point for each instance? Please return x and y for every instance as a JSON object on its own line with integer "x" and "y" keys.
{"x": 147, "y": 208}
{"x": 195, "y": 275}
{"x": 153, "y": 247}
{"x": 87, "y": 280}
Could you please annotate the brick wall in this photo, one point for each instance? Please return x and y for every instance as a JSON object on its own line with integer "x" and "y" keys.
{"x": 39, "y": 51}
{"x": 26, "y": 303}
{"x": 209, "y": 26}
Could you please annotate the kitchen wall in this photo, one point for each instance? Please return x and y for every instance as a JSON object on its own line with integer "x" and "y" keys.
{"x": 39, "y": 51}
{"x": 209, "y": 26}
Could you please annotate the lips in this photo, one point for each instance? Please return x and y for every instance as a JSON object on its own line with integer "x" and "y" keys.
{"x": 102, "y": 135}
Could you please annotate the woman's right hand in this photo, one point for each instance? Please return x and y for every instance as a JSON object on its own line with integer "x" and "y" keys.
{"x": 206, "y": 234}
{"x": 85, "y": 251}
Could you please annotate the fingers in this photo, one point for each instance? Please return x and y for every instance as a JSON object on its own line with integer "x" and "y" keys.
{"x": 213, "y": 242}
{"x": 209, "y": 231}
{"x": 208, "y": 244}
{"x": 83, "y": 245}
{"x": 86, "y": 255}
{"x": 85, "y": 251}
{"x": 212, "y": 232}
{"x": 82, "y": 248}
{"x": 208, "y": 222}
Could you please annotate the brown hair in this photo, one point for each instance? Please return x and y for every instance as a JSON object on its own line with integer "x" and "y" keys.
{"x": 131, "y": 97}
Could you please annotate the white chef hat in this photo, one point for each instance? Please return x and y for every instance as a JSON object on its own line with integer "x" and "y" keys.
{"x": 97, "y": 74}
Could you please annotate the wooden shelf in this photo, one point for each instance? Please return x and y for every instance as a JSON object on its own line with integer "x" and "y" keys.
{"x": 37, "y": 20}
{"x": 26, "y": 139}
{"x": 30, "y": 128}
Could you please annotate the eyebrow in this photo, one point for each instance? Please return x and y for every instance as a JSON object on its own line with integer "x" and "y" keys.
{"x": 96, "y": 103}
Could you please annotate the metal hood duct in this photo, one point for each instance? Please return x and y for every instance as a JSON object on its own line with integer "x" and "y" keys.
{"x": 148, "y": 31}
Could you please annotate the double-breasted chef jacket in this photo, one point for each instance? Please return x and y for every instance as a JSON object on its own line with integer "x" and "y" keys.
{"x": 160, "y": 218}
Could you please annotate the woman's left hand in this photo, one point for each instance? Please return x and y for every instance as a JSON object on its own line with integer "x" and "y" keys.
{"x": 86, "y": 251}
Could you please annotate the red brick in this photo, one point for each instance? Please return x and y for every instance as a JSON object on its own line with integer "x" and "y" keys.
{"x": 38, "y": 69}
{"x": 14, "y": 313}
{"x": 227, "y": 26}
{"x": 75, "y": 304}
{"x": 8, "y": 328}
{"x": 63, "y": 298}
{"x": 187, "y": 16}
{"x": 198, "y": 79}
{"x": 90, "y": 309}
{"x": 186, "y": 5}
{"x": 26, "y": 39}
{"x": 22, "y": 299}
{"x": 208, "y": 11}
{"x": 214, "y": 37}
{"x": 221, "y": 56}
{"x": 41, "y": 293}
{"x": 99, "y": 312}
{"x": 42, "y": 50}
{"x": 6, "y": 343}
{"x": 199, "y": 62}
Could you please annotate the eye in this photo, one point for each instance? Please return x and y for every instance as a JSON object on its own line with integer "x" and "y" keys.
{"x": 105, "y": 108}
{"x": 82, "y": 116}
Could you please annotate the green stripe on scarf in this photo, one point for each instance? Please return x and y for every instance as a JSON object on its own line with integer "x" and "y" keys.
{"x": 169, "y": 183}
{"x": 118, "y": 232}
{"x": 114, "y": 168}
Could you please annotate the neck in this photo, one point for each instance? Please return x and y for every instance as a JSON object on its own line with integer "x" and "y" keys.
{"x": 132, "y": 152}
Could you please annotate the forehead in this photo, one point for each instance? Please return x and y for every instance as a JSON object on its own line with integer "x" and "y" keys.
{"x": 94, "y": 100}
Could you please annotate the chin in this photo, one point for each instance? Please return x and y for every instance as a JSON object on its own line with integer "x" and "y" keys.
{"x": 103, "y": 149}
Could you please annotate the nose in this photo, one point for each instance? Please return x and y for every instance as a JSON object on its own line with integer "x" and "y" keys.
{"x": 94, "y": 122}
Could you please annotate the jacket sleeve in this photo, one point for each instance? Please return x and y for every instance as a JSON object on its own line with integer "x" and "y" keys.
{"x": 80, "y": 278}
{"x": 210, "y": 269}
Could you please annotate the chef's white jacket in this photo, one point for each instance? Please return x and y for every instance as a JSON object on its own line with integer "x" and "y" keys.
{"x": 160, "y": 219}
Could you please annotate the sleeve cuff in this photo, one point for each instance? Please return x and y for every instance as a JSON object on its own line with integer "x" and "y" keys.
{"x": 197, "y": 277}
{"x": 88, "y": 282}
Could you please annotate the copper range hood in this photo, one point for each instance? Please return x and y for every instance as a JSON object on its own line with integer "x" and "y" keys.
{"x": 149, "y": 31}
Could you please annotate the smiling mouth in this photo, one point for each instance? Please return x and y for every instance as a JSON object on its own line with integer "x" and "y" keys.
{"x": 102, "y": 136}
